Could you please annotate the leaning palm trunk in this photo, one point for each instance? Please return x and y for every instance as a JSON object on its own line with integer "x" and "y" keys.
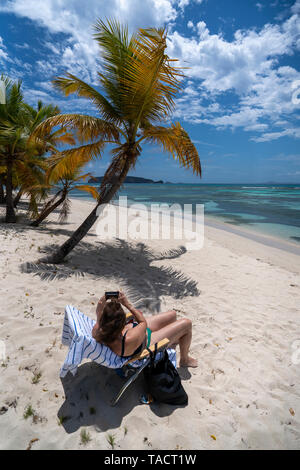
{"x": 2, "y": 195}
{"x": 51, "y": 201}
{"x": 48, "y": 209}
{"x": 10, "y": 212}
{"x": 18, "y": 197}
{"x": 110, "y": 185}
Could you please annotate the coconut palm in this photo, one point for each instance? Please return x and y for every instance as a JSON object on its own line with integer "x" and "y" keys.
{"x": 138, "y": 84}
{"x": 63, "y": 185}
{"x": 10, "y": 136}
{"x": 32, "y": 168}
{"x": 22, "y": 156}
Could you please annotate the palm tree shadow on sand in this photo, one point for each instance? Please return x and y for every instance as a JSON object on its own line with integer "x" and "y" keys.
{"x": 88, "y": 394}
{"x": 129, "y": 264}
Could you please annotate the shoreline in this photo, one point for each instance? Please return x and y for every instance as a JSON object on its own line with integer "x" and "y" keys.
{"x": 266, "y": 222}
{"x": 270, "y": 249}
{"x": 259, "y": 237}
{"x": 263, "y": 238}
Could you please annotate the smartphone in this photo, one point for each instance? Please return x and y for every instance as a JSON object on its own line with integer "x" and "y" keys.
{"x": 110, "y": 295}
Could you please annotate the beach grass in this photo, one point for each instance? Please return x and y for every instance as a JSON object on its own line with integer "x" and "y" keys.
{"x": 29, "y": 411}
{"x": 85, "y": 437}
{"x": 111, "y": 439}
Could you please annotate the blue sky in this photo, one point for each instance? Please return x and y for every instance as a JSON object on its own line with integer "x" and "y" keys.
{"x": 239, "y": 101}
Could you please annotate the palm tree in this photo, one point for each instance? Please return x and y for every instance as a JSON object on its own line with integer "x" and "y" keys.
{"x": 63, "y": 184}
{"x": 139, "y": 82}
{"x": 10, "y": 135}
{"x": 21, "y": 155}
{"x": 32, "y": 169}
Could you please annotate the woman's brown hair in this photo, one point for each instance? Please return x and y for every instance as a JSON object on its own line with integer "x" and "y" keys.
{"x": 112, "y": 322}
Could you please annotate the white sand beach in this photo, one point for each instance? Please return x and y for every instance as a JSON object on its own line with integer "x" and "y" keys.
{"x": 242, "y": 296}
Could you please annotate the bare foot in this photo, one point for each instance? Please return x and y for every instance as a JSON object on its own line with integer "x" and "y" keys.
{"x": 188, "y": 362}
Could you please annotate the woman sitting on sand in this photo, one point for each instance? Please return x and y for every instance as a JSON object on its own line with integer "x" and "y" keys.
{"x": 128, "y": 339}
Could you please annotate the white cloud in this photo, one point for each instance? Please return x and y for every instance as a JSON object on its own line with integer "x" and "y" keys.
{"x": 246, "y": 118}
{"x": 247, "y": 67}
{"x": 54, "y": 48}
{"x": 76, "y": 18}
{"x": 3, "y": 54}
{"x": 225, "y": 65}
{"x": 47, "y": 95}
{"x": 202, "y": 30}
{"x": 183, "y": 3}
{"x": 296, "y": 7}
{"x": 22, "y": 46}
{"x": 286, "y": 158}
{"x": 268, "y": 136}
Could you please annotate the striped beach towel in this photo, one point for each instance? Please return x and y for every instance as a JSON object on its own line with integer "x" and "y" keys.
{"x": 77, "y": 335}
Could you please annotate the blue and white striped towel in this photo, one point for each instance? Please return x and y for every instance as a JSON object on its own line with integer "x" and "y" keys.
{"x": 77, "y": 335}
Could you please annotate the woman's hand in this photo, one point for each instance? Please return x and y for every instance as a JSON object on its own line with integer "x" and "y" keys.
{"x": 123, "y": 299}
{"x": 101, "y": 303}
{"x": 136, "y": 313}
{"x": 100, "y": 307}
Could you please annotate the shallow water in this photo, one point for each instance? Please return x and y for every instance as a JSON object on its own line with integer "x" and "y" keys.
{"x": 267, "y": 209}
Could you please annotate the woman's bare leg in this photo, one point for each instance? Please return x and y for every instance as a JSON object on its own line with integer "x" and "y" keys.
{"x": 178, "y": 332}
{"x": 156, "y": 322}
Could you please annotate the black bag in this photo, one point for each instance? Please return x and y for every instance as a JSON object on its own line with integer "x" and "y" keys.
{"x": 163, "y": 381}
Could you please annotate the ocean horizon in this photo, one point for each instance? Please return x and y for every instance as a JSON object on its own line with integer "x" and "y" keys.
{"x": 271, "y": 209}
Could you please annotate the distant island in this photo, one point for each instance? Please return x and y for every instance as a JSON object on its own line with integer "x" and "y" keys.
{"x": 128, "y": 179}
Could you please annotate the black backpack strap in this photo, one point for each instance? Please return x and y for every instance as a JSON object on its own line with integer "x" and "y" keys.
{"x": 123, "y": 343}
{"x": 152, "y": 354}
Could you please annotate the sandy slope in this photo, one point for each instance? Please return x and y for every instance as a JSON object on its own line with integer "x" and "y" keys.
{"x": 243, "y": 299}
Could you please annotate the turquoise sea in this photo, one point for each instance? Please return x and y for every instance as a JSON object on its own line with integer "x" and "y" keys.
{"x": 269, "y": 209}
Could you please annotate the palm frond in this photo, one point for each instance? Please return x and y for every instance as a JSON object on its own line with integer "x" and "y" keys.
{"x": 86, "y": 128}
{"x": 149, "y": 81}
{"x": 77, "y": 178}
{"x": 61, "y": 137}
{"x": 31, "y": 174}
{"x": 88, "y": 189}
{"x": 68, "y": 161}
{"x": 176, "y": 141}
{"x": 14, "y": 101}
{"x": 116, "y": 53}
{"x": 71, "y": 84}
{"x": 64, "y": 210}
